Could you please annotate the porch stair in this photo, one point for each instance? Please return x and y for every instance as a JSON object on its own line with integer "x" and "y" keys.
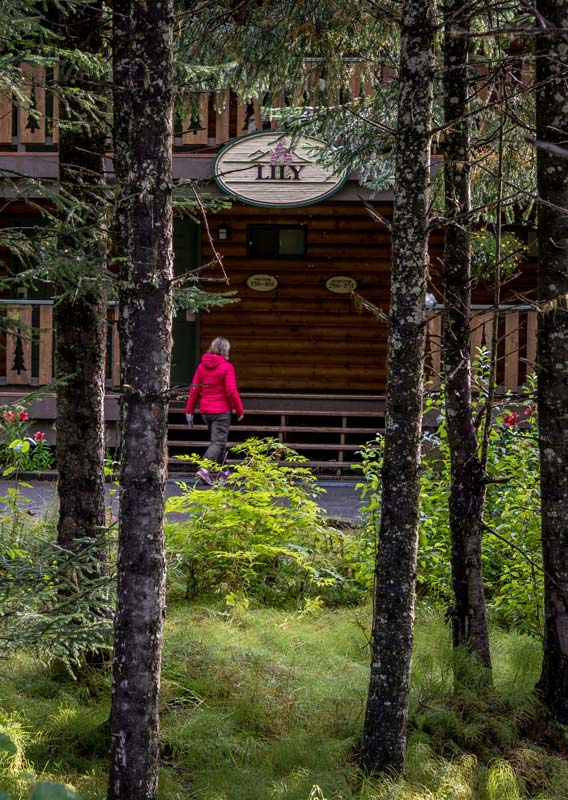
{"x": 328, "y": 430}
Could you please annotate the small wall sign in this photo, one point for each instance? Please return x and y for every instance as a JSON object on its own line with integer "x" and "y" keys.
{"x": 262, "y": 283}
{"x": 274, "y": 170}
{"x": 341, "y": 284}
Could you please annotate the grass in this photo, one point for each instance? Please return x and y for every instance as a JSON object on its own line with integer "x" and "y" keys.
{"x": 258, "y": 704}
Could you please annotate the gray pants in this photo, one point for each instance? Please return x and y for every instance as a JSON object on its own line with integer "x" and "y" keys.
{"x": 218, "y": 426}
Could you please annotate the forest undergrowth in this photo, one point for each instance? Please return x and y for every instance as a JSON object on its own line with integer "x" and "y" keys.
{"x": 263, "y": 703}
{"x": 266, "y": 658}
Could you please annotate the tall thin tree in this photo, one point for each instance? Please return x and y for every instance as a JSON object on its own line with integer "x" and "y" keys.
{"x": 80, "y": 309}
{"x": 384, "y": 735}
{"x": 469, "y": 616}
{"x": 552, "y": 349}
{"x": 143, "y": 106}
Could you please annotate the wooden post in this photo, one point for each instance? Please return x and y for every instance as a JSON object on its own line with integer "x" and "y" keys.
{"x": 5, "y": 119}
{"x": 31, "y": 128}
{"x": 19, "y": 346}
{"x": 511, "y": 379}
{"x": 434, "y": 346}
{"x": 277, "y": 102}
{"x": 45, "y": 345}
{"x": 355, "y": 81}
{"x": 200, "y": 136}
{"x": 55, "y": 112}
{"x": 531, "y": 341}
{"x": 481, "y": 332}
{"x": 223, "y": 103}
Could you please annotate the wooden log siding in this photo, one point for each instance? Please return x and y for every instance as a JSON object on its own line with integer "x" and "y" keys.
{"x": 301, "y": 336}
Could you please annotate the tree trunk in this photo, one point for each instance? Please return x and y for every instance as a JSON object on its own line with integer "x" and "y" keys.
{"x": 80, "y": 311}
{"x": 384, "y": 734}
{"x": 143, "y": 108}
{"x": 469, "y": 617}
{"x": 552, "y": 358}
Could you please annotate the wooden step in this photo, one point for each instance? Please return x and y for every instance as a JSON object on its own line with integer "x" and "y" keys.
{"x": 322, "y": 427}
{"x": 278, "y": 412}
{"x": 278, "y": 429}
{"x": 298, "y": 446}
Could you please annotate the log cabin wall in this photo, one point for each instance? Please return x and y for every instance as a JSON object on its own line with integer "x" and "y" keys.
{"x": 301, "y": 337}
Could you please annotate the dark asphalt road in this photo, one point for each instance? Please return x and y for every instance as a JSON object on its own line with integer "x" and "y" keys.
{"x": 339, "y": 500}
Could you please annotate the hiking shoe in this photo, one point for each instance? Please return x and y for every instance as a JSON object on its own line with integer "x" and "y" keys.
{"x": 223, "y": 475}
{"x": 205, "y": 476}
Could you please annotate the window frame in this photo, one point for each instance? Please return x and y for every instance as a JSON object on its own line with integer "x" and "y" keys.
{"x": 276, "y": 228}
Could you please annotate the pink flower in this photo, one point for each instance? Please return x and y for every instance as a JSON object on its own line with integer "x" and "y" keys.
{"x": 9, "y": 416}
{"x": 510, "y": 420}
{"x": 23, "y": 416}
{"x": 39, "y": 436}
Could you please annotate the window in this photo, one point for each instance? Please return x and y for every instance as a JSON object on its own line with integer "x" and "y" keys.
{"x": 276, "y": 241}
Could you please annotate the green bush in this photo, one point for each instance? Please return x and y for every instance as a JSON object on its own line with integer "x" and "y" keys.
{"x": 19, "y": 450}
{"x": 512, "y": 560}
{"x": 260, "y": 534}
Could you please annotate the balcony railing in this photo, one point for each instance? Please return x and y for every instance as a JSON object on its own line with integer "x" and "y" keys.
{"x": 516, "y": 343}
{"x": 28, "y": 344}
{"x": 207, "y": 121}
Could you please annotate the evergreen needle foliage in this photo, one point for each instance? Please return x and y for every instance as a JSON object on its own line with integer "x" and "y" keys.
{"x": 54, "y": 602}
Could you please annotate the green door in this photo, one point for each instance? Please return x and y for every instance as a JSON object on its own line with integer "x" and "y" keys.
{"x": 187, "y": 256}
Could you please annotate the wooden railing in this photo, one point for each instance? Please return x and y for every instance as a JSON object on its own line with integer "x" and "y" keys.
{"x": 208, "y": 119}
{"x": 516, "y": 343}
{"x": 28, "y": 343}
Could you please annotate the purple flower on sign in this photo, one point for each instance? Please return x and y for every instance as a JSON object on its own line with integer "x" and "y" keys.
{"x": 281, "y": 154}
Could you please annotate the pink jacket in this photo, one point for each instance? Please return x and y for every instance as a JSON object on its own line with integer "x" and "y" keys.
{"x": 215, "y": 386}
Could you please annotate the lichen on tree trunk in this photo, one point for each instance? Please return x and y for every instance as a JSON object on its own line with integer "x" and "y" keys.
{"x": 384, "y": 734}
{"x": 467, "y": 493}
{"x": 80, "y": 308}
{"x": 552, "y": 352}
{"x": 142, "y": 42}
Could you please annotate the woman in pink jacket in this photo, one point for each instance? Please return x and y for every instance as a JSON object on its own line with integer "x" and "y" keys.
{"x": 214, "y": 386}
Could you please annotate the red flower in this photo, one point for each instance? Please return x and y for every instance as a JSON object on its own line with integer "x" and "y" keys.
{"x": 39, "y": 436}
{"x": 9, "y": 416}
{"x": 510, "y": 420}
{"x": 23, "y": 416}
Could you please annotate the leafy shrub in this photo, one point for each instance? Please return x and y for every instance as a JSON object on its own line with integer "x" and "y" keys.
{"x": 261, "y": 533}
{"x": 19, "y": 450}
{"x": 483, "y": 255}
{"x": 512, "y": 560}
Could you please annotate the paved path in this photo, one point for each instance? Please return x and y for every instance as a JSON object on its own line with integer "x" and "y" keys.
{"x": 339, "y": 500}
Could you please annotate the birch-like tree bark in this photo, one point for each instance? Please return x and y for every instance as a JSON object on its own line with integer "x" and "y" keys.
{"x": 384, "y": 735}
{"x": 552, "y": 351}
{"x": 143, "y": 106}
{"x": 467, "y": 493}
{"x": 80, "y": 311}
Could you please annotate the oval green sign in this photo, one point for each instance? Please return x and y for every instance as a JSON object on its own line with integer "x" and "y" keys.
{"x": 275, "y": 170}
